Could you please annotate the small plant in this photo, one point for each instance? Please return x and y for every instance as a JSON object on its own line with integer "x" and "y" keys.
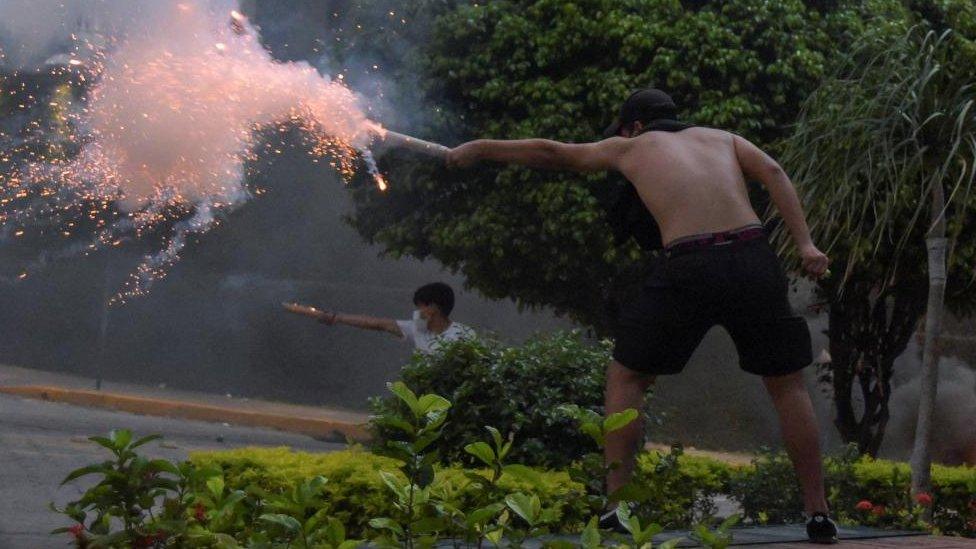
{"x": 530, "y": 510}
{"x": 591, "y": 471}
{"x": 417, "y": 521}
{"x": 642, "y": 537}
{"x": 301, "y": 518}
{"x": 720, "y": 537}
{"x": 129, "y": 493}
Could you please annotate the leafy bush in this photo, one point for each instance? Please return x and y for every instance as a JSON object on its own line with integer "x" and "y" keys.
{"x": 280, "y": 499}
{"x": 861, "y": 490}
{"x": 518, "y": 389}
{"x": 356, "y": 491}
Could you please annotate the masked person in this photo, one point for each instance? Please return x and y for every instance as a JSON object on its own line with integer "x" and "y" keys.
{"x": 430, "y": 326}
{"x": 718, "y": 269}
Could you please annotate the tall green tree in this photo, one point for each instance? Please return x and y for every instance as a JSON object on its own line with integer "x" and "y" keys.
{"x": 883, "y": 154}
{"x": 519, "y": 68}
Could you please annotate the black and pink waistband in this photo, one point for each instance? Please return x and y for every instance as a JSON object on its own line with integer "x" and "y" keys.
{"x": 708, "y": 240}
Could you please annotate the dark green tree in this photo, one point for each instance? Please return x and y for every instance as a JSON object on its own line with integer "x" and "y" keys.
{"x": 883, "y": 150}
{"x": 520, "y": 68}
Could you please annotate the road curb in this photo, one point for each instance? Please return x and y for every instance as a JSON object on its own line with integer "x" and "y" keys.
{"x": 319, "y": 428}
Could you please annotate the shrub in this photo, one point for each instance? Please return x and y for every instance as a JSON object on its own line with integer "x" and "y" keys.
{"x": 861, "y": 490}
{"x": 517, "y": 389}
{"x": 356, "y": 491}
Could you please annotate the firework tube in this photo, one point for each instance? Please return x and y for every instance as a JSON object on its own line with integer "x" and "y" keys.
{"x": 399, "y": 140}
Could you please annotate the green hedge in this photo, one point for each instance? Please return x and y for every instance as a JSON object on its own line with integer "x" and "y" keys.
{"x": 356, "y": 491}
{"x": 675, "y": 496}
{"x": 358, "y": 494}
{"x": 770, "y": 493}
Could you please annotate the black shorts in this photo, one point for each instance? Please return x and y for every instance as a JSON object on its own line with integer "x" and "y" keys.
{"x": 739, "y": 286}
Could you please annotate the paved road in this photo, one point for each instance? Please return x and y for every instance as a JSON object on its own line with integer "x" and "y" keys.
{"x": 40, "y": 442}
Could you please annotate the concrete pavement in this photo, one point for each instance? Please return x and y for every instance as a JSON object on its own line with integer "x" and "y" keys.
{"x": 323, "y": 423}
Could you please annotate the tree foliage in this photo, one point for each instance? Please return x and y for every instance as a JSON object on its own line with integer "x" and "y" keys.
{"x": 896, "y": 120}
{"x": 521, "y": 68}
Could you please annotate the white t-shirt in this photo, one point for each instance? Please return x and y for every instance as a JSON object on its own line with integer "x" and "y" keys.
{"x": 426, "y": 341}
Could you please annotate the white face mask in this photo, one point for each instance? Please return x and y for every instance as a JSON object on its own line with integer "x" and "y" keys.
{"x": 419, "y": 324}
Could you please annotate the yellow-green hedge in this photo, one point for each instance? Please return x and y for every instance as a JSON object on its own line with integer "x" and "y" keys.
{"x": 358, "y": 494}
{"x": 767, "y": 488}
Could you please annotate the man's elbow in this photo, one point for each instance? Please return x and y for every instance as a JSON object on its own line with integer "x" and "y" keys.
{"x": 772, "y": 174}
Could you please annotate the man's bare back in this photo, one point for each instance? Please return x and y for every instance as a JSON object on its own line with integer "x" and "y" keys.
{"x": 691, "y": 181}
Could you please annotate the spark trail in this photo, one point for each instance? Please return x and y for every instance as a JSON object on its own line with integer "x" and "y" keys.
{"x": 151, "y": 132}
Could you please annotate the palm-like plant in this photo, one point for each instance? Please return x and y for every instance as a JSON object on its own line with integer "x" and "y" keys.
{"x": 883, "y": 154}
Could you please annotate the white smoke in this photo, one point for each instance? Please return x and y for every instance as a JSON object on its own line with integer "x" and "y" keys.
{"x": 954, "y": 431}
{"x": 181, "y": 87}
{"x": 31, "y": 31}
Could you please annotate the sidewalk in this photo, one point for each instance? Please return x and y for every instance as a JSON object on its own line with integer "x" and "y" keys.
{"x": 329, "y": 424}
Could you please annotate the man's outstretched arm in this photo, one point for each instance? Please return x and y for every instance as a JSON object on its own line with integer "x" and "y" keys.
{"x": 761, "y": 167}
{"x": 541, "y": 153}
{"x": 357, "y": 321}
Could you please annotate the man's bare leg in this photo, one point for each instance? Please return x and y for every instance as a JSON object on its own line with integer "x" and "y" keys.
{"x": 801, "y": 436}
{"x": 625, "y": 389}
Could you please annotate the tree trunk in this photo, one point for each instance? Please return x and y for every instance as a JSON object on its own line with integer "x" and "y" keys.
{"x": 936, "y": 244}
{"x": 868, "y": 330}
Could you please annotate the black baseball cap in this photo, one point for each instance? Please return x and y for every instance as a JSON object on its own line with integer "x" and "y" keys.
{"x": 645, "y": 105}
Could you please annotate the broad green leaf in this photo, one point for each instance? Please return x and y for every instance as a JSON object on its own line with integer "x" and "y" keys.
{"x": 483, "y": 515}
{"x": 525, "y": 506}
{"x": 495, "y": 435}
{"x": 619, "y": 420}
{"x": 88, "y": 470}
{"x": 216, "y": 486}
{"x": 145, "y": 440}
{"x": 407, "y": 396}
{"x": 590, "y": 538}
{"x": 104, "y": 442}
{"x": 432, "y": 403}
{"x": 165, "y": 466}
{"x": 120, "y": 437}
{"x": 288, "y": 523}
{"x": 495, "y": 536}
{"x": 482, "y": 451}
{"x": 384, "y": 523}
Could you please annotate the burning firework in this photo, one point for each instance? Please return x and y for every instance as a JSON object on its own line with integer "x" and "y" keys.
{"x": 159, "y": 141}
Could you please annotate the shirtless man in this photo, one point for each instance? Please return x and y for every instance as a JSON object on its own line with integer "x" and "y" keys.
{"x": 719, "y": 269}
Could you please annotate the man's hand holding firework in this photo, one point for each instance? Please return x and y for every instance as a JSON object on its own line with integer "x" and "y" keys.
{"x": 325, "y": 317}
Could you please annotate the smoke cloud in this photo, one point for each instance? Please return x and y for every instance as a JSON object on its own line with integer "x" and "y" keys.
{"x": 954, "y": 438}
{"x": 181, "y": 89}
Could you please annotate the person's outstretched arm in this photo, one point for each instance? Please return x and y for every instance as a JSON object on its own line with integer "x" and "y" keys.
{"x": 759, "y": 166}
{"x": 542, "y": 153}
{"x": 357, "y": 321}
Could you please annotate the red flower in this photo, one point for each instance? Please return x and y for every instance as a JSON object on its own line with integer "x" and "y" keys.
{"x": 200, "y": 513}
{"x": 923, "y": 499}
{"x": 864, "y": 505}
{"x": 77, "y": 530}
{"x": 878, "y": 510}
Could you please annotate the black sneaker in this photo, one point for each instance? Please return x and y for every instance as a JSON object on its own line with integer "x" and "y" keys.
{"x": 610, "y": 521}
{"x": 820, "y": 529}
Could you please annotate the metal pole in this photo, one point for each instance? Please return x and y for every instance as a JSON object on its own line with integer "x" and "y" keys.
{"x": 102, "y": 327}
